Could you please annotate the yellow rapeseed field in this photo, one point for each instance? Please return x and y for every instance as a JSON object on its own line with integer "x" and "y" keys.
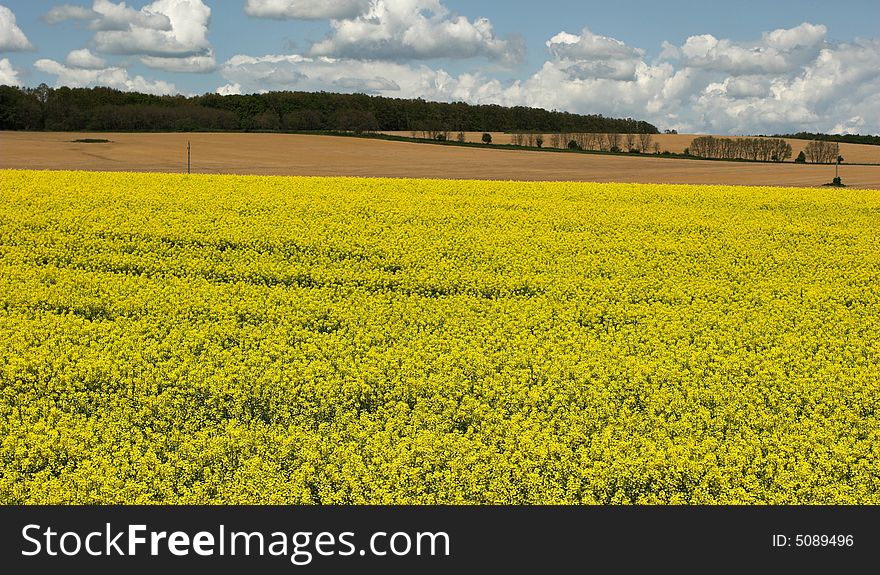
{"x": 230, "y": 339}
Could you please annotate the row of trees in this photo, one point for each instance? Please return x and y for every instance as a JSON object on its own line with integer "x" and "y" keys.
{"x": 106, "y": 109}
{"x": 756, "y": 149}
{"x": 605, "y": 142}
{"x": 821, "y": 152}
{"x": 847, "y": 138}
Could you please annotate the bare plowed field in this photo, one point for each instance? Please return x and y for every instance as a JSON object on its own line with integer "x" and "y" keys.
{"x": 285, "y": 154}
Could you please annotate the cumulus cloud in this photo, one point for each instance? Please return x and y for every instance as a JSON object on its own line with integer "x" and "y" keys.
{"x": 229, "y": 89}
{"x": 8, "y": 74}
{"x": 280, "y": 72}
{"x": 112, "y": 77}
{"x": 67, "y": 12}
{"x": 783, "y": 80}
{"x": 590, "y": 55}
{"x": 669, "y": 51}
{"x": 306, "y": 9}
{"x": 248, "y": 74}
{"x": 854, "y": 125}
{"x": 205, "y": 63}
{"x": 85, "y": 59}
{"x": 106, "y": 15}
{"x": 12, "y": 39}
{"x": 842, "y": 81}
{"x": 787, "y": 80}
{"x": 185, "y": 36}
{"x": 805, "y": 35}
{"x": 165, "y": 34}
{"x": 415, "y": 29}
{"x": 587, "y": 45}
{"x": 779, "y": 51}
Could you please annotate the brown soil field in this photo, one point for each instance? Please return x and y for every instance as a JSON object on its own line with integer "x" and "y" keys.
{"x": 676, "y": 143}
{"x": 291, "y": 154}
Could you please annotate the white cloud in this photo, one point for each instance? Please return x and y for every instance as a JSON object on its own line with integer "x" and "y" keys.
{"x": 106, "y": 15}
{"x": 248, "y": 74}
{"x": 815, "y": 87}
{"x": 85, "y": 59}
{"x": 170, "y": 35}
{"x": 186, "y": 36}
{"x": 415, "y": 29}
{"x": 306, "y": 9}
{"x": 198, "y": 64}
{"x": 12, "y": 39}
{"x": 747, "y": 86}
{"x": 854, "y": 125}
{"x": 111, "y": 77}
{"x": 669, "y": 51}
{"x": 67, "y": 12}
{"x": 229, "y": 89}
{"x": 295, "y": 72}
{"x": 587, "y": 45}
{"x": 784, "y": 80}
{"x": 590, "y": 55}
{"x": 804, "y": 35}
{"x": 843, "y": 81}
{"x": 779, "y": 51}
{"x": 788, "y": 80}
{"x": 8, "y": 74}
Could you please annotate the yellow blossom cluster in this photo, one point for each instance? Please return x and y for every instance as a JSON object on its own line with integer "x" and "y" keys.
{"x": 238, "y": 339}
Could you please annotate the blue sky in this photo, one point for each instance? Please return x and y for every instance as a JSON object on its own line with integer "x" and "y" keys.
{"x": 725, "y": 67}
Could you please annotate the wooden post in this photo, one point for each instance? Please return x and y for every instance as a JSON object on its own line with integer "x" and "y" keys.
{"x": 188, "y": 164}
{"x": 837, "y": 162}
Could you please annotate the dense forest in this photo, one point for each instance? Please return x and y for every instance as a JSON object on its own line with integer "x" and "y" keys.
{"x": 846, "y": 138}
{"x": 106, "y": 109}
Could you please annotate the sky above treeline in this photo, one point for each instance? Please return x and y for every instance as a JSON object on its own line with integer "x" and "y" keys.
{"x": 735, "y": 67}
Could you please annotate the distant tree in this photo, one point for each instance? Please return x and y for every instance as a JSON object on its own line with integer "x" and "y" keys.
{"x": 487, "y": 138}
{"x": 42, "y": 93}
{"x": 754, "y": 149}
{"x": 839, "y": 159}
{"x": 801, "y": 158}
{"x": 630, "y": 142}
{"x": 267, "y": 121}
{"x": 303, "y": 120}
{"x": 354, "y": 120}
{"x": 18, "y": 111}
{"x": 670, "y": 131}
{"x": 656, "y": 148}
{"x": 573, "y": 145}
{"x": 441, "y": 137}
{"x": 539, "y": 140}
{"x": 612, "y": 139}
{"x": 592, "y": 141}
{"x": 644, "y": 141}
{"x": 821, "y": 152}
{"x": 460, "y": 137}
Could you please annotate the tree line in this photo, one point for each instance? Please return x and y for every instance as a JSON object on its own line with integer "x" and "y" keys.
{"x": 822, "y": 152}
{"x": 842, "y": 138}
{"x": 107, "y": 109}
{"x": 755, "y": 149}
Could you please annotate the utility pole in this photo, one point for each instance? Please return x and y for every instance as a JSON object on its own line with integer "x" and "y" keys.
{"x": 188, "y": 164}
{"x": 837, "y": 162}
